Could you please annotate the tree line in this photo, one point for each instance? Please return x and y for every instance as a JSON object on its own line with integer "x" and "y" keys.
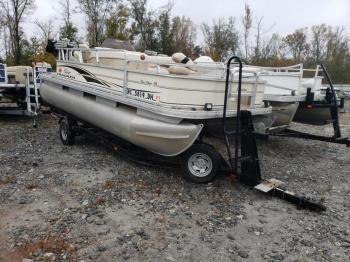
{"x": 164, "y": 32}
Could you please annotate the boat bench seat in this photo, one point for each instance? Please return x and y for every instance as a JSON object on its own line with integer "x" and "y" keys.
{"x": 138, "y": 61}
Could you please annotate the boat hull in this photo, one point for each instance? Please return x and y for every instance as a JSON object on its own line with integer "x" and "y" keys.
{"x": 158, "y": 111}
{"x": 313, "y": 116}
{"x": 163, "y": 138}
{"x": 213, "y": 127}
{"x": 283, "y": 113}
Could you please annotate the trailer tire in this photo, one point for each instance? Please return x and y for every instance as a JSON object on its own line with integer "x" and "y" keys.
{"x": 200, "y": 163}
{"x": 66, "y": 132}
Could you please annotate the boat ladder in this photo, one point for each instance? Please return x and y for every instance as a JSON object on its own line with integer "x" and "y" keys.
{"x": 32, "y": 96}
{"x": 244, "y": 163}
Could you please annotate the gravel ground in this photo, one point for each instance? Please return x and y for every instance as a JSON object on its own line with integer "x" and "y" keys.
{"x": 86, "y": 203}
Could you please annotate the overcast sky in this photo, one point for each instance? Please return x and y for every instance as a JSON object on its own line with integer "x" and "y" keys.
{"x": 284, "y": 15}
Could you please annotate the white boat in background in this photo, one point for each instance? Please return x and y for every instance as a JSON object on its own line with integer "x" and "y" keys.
{"x": 156, "y": 102}
{"x": 283, "y": 92}
{"x": 316, "y": 108}
{"x": 291, "y": 94}
{"x": 19, "y": 93}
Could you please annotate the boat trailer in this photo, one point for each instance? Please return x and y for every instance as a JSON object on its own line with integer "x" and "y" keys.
{"x": 243, "y": 164}
{"x": 331, "y": 103}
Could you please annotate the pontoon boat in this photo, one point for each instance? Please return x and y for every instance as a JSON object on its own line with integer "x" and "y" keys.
{"x": 151, "y": 101}
{"x": 315, "y": 109}
{"x": 295, "y": 97}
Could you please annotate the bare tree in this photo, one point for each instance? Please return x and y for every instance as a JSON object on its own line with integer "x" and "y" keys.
{"x": 96, "y": 12}
{"x": 260, "y": 43}
{"x": 46, "y": 29}
{"x": 68, "y": 30}
{"x": 247, "y": 22}
{"x": 297, "y": 44}
{"x": 67, "y": 10}
{"x": 335, "y": 41}
{"x": 337, "y": 56}
{"x": 221, "y": 38}
{"x": 270, "y": 48}
{"x": 318, "y": 42}
{"x": 144, "y": 24}
{"x": 4, "y": 37}
{"x": 166, "y": 45}
{"x": 183, "y": 35}
{"x": 14, "y": 13}
{"x": 257, "y": 48}
{"x": 117, "y": 23}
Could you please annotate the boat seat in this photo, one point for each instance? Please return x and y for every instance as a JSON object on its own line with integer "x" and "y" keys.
{"x": 116, "y": 59}
{"x": 140, "y": 61}
{"x": 176, "y": 70}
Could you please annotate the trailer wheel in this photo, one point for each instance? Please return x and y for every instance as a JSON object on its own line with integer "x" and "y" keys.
{"x": 66, "y": 132}
{"x": 200, "y": 163}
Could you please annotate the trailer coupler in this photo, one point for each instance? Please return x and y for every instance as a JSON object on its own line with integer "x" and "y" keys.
{"x": 272, "y": 187}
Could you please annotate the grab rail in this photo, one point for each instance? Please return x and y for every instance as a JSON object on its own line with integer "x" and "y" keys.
{"x": 238, "y": 114}
{"x": 286, "y": 69}
{"x": 255, "y": 88}
{"x": 97, "y": 51}
{"x": 3, "y": 76}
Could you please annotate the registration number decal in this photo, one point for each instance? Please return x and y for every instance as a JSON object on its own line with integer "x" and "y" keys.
{"x": 143, "y": 94}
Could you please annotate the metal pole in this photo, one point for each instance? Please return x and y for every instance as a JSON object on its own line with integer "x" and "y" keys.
{"x": 238, "y": 114}
{"x": 334, "y": 109}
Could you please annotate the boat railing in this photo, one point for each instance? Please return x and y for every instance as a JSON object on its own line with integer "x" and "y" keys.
{"x": 68, "y": 54}
{"x": 236, "y": 72}
{"x": 286, "y": 69}
{"x": 3, "y": 74}
{"x": 300, "y": 70}
{"x": 318, "y": 73}
{"x": 206, "y": 71}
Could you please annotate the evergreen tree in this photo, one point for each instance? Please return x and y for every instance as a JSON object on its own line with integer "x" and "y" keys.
{"x": 68, "y": 31}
